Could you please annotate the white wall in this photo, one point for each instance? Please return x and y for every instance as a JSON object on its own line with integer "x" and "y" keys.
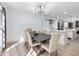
{"x": 17, "y": 21}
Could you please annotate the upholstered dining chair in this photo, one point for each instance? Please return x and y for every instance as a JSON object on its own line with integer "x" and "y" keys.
{"x": 29, "y": 38}
{"x": 52, "y": 45}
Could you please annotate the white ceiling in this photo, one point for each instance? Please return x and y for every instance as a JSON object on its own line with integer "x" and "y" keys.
{"x": 57, "y": 8}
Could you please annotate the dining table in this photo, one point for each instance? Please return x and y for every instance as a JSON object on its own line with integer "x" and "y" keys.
{"x": 40, "y": 37}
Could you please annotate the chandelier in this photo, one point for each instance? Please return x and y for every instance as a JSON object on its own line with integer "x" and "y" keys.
{"x": 40, "y": 9}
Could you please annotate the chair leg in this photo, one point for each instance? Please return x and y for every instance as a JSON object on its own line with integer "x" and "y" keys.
{"x": 41, "y": 50}
{"x": 49, "y": 54}
{"x": 56, "y": 53}
{"x": 53, "y": 53}
{"x": 37, "y": 49}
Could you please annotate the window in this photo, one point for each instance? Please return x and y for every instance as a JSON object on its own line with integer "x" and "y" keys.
{"x": 2, "y": 27}
{"x": 60, "y": 25}
{"x": 77, "y": 24}
{"x": 70, "y": 25}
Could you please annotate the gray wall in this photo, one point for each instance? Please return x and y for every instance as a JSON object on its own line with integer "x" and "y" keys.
{"x": 17, "y": 22}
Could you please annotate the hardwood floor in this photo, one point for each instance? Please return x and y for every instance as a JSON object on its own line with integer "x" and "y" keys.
{"x": 17, "y": 49}
{"x": 71, "y": 49}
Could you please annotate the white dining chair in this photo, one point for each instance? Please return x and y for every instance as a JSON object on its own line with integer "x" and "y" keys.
{"x": 30, "y": 41}
{"x": 52, "y": 45}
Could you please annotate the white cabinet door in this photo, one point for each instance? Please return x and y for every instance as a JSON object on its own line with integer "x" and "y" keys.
{"x": 64, "y": 38}
{"x": 71, "y": 34}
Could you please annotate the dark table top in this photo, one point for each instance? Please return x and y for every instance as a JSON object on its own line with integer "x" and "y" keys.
{"x": 40, "y": 36}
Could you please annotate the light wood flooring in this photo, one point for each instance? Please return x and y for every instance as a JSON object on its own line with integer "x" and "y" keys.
{"x": 15, "y": 49}
{"x": 71, "y": 49}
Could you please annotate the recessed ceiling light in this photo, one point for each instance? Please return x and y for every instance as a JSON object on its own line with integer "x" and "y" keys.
{"x": 65, "y": 12}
